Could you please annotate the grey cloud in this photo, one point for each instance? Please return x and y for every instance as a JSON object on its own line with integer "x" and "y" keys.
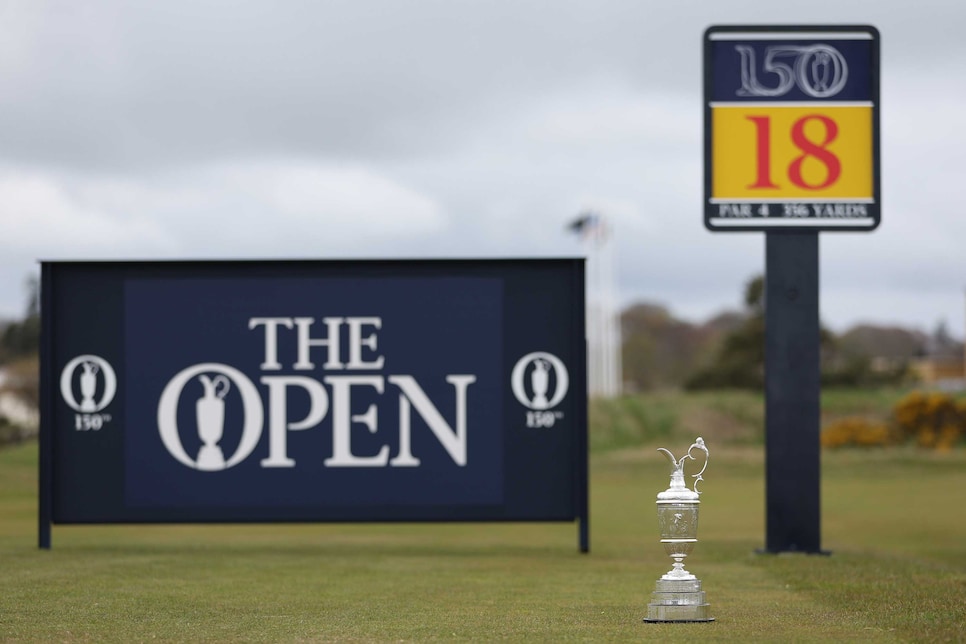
{"x": 125, "y": 85}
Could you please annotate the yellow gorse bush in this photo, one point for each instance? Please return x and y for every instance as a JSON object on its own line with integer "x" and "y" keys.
{"x": 857, "y": 431}
{"x": 932, "y": 420}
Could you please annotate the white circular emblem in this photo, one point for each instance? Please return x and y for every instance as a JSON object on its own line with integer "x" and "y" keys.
{"x": 539, "y": 365}
{"x": 92, "y": 368}
{"x": 210, "y": 415}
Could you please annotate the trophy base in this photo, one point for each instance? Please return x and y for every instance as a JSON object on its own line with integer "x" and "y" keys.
{"x": 210, "y": 458}
{"x": 678, "y": 601}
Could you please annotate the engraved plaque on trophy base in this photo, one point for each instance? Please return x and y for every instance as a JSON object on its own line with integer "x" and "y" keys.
{"x": 678, "y": 600}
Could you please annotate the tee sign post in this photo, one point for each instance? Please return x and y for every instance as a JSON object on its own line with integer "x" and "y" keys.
{"x": 791, "y": 116}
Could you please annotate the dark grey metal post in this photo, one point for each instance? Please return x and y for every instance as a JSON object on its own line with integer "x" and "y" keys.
{"x": 792, "y": 391}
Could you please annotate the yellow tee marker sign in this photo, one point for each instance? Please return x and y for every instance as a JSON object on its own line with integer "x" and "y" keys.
{"x": 791, "y": 128}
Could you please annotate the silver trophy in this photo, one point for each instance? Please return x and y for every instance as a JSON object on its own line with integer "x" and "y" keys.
{"x": 677, "y": 596}
{"x": 88, "y": 385}
{"x": 210, "y": 416}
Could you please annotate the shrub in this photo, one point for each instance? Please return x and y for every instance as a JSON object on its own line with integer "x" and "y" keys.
{"x": 858, "y": 431}
{"x": 933, "y": 420}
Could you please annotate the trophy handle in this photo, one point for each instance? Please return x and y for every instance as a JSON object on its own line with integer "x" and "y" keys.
{"x": 697, "y": 477}
{"x": 220, "y": 386}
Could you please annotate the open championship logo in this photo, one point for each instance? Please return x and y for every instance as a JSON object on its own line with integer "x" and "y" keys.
{"x": 210, "y": 416}
{"x": 92, "y": 369}
{"x": 206, "y": 386}
{"x": 538, "y": 397}
{"x": 542, "y": 364}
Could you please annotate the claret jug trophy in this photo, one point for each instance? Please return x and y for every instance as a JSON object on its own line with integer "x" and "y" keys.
{"x": 678, "y": 596}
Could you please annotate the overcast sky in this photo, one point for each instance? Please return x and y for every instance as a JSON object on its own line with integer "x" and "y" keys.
{"x": 191, "y": 129}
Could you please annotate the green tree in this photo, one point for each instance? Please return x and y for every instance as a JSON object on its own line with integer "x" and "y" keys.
{"x": 740, "y": 361}
{"x": 659, "y": 350}
{"x": 22, "y": 338}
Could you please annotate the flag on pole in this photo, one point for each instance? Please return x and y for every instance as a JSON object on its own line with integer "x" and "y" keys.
{"x": 588, "y": 225}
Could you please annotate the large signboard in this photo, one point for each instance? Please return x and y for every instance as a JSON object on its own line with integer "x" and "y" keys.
{"x": 791, "y": 128}
{"x": 313, "y": 391}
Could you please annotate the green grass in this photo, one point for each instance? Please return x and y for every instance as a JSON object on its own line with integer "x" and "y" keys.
{"x": 894, "y": 520}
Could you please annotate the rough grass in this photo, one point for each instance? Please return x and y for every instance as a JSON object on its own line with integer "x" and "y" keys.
{"x": 893, "y": 518}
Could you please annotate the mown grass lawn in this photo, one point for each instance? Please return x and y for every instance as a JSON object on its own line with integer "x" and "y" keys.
{"x": 894, "y": 519}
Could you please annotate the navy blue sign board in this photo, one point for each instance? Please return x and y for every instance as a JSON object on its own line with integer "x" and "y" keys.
{"x": 791, "y": 119}
{"x": 314, "y": 391}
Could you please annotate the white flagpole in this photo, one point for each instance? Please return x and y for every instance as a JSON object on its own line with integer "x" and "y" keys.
{"x": 604, "y": 364}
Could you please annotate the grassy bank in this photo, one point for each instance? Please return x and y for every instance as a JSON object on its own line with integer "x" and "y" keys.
{"x": 721, "y": 417}
{"x": 893, "y": 519}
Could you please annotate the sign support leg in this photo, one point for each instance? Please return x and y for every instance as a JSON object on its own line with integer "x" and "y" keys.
{"x": 792, "y": 392}
{"x": 45, "y": 447}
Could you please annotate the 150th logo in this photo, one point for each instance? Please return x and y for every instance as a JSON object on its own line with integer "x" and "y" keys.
{"x": 93, "y": 377}
{"x": 542, "y": 393}
{"x": 819, "y": 70}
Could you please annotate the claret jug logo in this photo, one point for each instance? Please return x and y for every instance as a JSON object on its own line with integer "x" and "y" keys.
{"x": 91, "y": 369}
{"x": 96, "y": 383}
{"x": 210, "y": 415}
{"x": 208, "y": 387}
{"x": 539, "y": 382}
